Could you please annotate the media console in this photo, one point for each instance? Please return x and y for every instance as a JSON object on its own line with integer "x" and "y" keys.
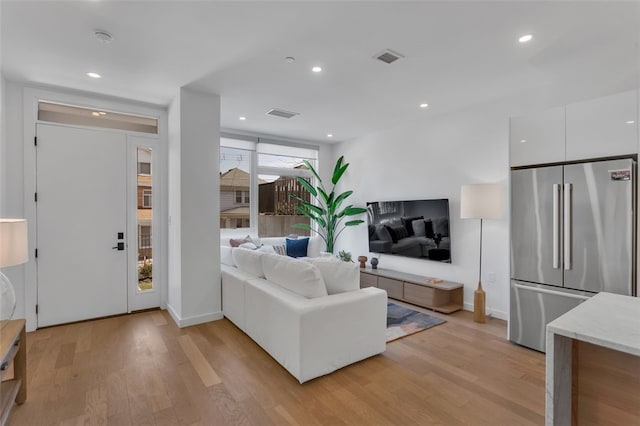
{"x": 445, "y": 296}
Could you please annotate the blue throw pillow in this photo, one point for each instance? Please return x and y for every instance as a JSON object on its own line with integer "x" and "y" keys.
{"x": 298, "y": 247}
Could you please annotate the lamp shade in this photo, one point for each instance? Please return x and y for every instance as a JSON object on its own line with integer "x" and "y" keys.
{"x": 13, "y": 242}
{"x": 481, "y": 201}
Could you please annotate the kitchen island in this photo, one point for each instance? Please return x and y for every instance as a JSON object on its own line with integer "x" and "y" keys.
{"x": 593, "y": 363}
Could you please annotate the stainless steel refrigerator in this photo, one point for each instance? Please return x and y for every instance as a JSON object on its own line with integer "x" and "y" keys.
{"x": 572, "y": 236}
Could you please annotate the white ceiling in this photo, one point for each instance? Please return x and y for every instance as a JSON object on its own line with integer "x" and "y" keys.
{"x": 457, "y": 54}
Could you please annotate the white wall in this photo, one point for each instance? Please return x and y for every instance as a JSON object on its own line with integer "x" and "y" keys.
{"x": 194, "y": 185}
{"x": 432, "y": 159}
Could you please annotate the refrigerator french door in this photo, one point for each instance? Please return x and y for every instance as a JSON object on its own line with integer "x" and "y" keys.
{"x": 572, "y": 235}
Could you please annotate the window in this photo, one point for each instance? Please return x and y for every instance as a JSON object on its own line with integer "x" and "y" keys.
{"x": 270, "y": 171}
{"x": 146, "y": 198}
{"x": 145, "y": 237}
{"x": 144, "y": 168}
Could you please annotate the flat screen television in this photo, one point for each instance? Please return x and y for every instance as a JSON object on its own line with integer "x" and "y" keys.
{"x": 415, "y": 228}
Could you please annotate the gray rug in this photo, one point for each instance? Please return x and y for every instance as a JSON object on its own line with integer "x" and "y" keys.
{"x": 403, "y": 321}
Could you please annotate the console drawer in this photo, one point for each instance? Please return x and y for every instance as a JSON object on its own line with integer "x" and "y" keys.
{"x": 418, "y": 294}
{"x": 393, "y": 287}
{"x": 368, "y": 280}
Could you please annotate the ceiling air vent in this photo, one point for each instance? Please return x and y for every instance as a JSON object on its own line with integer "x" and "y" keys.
{"x": 282, "y": 113}
{"x": 388, "y": 56}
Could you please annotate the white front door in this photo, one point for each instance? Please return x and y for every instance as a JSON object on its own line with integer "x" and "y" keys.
{"x": 81, "y": 209}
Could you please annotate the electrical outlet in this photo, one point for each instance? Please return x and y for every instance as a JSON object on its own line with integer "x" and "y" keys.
{"x": 491, "y": 277}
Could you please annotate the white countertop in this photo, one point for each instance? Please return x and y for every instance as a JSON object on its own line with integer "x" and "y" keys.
{"x": 606, "y": 319}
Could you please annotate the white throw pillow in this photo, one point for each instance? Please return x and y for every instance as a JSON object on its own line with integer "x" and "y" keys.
{"x": 316, "y": 245}
{"x": 226, "y": 257}
{"x": 300, "y": 277}
{"x": 249, "y": 246}
{"x": 248, "y": 261}
{"x": 267, "y": 249}
{"x": 338, "y": 276}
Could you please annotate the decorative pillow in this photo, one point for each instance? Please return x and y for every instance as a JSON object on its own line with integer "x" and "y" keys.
{"x": 280, "y": 249}
{"x": 428, "y": 228}
{"x": 398, "y": 232}
{"x": 419, "y": 228}
{"x": 249, "y": 245}
{"x": 249, "y": 261}
{"x": 226, "y": 257}
{"x": 441, "y": 226}
{"x": 235, "y": 242}
{"x": 408, "y": 223}
{"x": 295, "y": 275}
{"x": 297, "y": 247}
{"x": 383, "y": 233}
{"x": 266, "y": 249}
{"x": 338, "y": 276}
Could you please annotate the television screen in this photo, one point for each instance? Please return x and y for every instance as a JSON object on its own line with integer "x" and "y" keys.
{"x": 417, "y": 228}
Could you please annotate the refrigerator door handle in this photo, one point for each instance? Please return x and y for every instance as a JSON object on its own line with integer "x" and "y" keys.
{"x": 567, "y": 225}
{"x": 556, "y": 226}
{"x": 555, "y": 293}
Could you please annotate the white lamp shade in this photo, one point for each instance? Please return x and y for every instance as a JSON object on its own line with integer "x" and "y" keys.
{"x": 13, "y": 242}
{"x": 481, "y": 201}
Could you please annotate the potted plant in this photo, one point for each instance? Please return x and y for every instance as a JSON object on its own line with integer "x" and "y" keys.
{"x": 328, "y": 213}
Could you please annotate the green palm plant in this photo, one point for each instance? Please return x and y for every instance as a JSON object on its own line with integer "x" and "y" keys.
{"x": 327, "y": 213}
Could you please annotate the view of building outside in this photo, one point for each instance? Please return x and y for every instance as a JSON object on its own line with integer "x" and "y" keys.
{"x": 276, "y": 210}
{"x": 145, "y": 217}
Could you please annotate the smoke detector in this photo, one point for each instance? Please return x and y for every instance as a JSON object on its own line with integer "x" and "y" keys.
{"x": 388, "y": 56}
{"x": 103, "y": 37}
{"x": 282, "y": 113}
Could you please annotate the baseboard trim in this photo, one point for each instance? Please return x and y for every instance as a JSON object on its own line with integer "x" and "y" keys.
{"x": 194, "y": 320}
{"x": 494, "y": 312}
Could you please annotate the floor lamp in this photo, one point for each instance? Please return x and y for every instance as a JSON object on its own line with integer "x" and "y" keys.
{"x": 13, "y": 251}
{"x": 480, "y": 201}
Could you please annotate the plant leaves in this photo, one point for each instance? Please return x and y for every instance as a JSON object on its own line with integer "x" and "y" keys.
{"x": 338, "y": 165}
{"x": 316, "y": 209}
{"x": 312, "y": 216}
{"x": 324, "y": 196}
{"x": 352, "y": 211}
{"x": 307, "y": 186}
{"x": 302, "y": 226}
{"x": 340, "y": 198}
{"x": 354, "y": 222}
{"x": 310, "y": 167}
{"x": 338, "y": 174}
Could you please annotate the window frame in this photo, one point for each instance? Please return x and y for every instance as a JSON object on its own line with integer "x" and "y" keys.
{"x": 140, "y": 172}
{"x": 147, "y": 193}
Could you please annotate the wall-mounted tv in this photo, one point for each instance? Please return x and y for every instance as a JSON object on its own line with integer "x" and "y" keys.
{"x": 416, "y": 228}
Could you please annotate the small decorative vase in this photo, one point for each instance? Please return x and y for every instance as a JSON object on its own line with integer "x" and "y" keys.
{"x": 363, "y": 261}
{"x": 374, "y": 263}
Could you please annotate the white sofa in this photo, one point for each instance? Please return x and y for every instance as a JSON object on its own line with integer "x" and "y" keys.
{"x": 309, "y": 337}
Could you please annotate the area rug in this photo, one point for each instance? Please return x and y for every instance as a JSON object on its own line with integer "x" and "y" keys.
{"x": 403, "y": 321}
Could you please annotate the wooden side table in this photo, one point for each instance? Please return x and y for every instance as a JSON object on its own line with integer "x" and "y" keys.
{"x": 13, "y": 348}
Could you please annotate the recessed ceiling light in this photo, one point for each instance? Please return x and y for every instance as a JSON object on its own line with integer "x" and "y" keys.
{"x": 329, "y": 135}
{"x": 424, "y": 105}
{"x": 95, "y": 113}
{"x": 102, "y": 113}
{"x": 525, "y": 38}
{"x": 242, "y": 118}
{"x": 94, "y": 75}
{"x": 316, "y": 69}
{"x": 523, "y": 140}
{"x": 631, "y": 121}
{"x": 290, "y": 59}
{"x": 103, "y": 36}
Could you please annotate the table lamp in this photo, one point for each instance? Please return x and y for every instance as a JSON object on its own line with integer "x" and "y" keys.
{"x": 13, "y": 251}
{"x": 480, "y": 201}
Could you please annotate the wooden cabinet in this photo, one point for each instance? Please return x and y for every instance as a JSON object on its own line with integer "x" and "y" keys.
{"x": 537, "y": 138}
{"x": 13, "y": 347}
{"x": 443, "y": 297}
{"x": 603, "y": 127}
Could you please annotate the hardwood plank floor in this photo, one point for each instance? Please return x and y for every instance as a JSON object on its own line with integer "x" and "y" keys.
{"x": 141, "y": 369}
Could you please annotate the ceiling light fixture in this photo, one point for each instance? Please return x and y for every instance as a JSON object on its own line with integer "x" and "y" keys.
{"x": 102, "y": 113}
{"x": 94, "y": 75}
{"x": 103, "y": 37}
{"x": 290, "y": 59}
{"x": 631, "y": 121}
{"x": 243, "y": 118}
{"x": 329, "y": 135}
{"x": 316, "y": 69}
{"x": 525, "y": 38}
{"x": 523, "y": 140}
{"x": 95, "y": 114}
{"x": 424, "y": 105}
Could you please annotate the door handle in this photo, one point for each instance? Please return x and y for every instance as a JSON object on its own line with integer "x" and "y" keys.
{"x": 567, "y": 225}
{"x": 119, "y": 247}
{"x": 556, "y": 226}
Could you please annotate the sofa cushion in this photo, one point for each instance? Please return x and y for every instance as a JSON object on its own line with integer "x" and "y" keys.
{"x": 226, "y": 256}
{"x": 249, "y": 261}
{"x": 236, "y": 242}
{"x": 295, "y": 275}
{"x": 338, "y": 276}
{"x": 419, "y": 228}
{"x": 408, "y": 223}
{"x": 398, "y": 232}
{"x": 428, "y": 230}
{"x": 383, "y": 233}
{"x": 297, "y": 247}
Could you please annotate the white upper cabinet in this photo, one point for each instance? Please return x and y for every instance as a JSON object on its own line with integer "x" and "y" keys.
{"x": 603, "y": 127}
{"x": 537, "y": 138}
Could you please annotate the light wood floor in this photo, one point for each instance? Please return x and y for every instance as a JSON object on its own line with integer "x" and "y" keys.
{"x": 141, "y": 369}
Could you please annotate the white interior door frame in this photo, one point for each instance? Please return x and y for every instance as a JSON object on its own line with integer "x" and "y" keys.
{"x": 31, "y": 97}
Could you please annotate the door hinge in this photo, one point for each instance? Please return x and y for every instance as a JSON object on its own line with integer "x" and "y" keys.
{"x": 36, "y": 197}
{"x": 35, "y": 141}
{"x": 36, "y": 309}
{"x": 36, "y": 253}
